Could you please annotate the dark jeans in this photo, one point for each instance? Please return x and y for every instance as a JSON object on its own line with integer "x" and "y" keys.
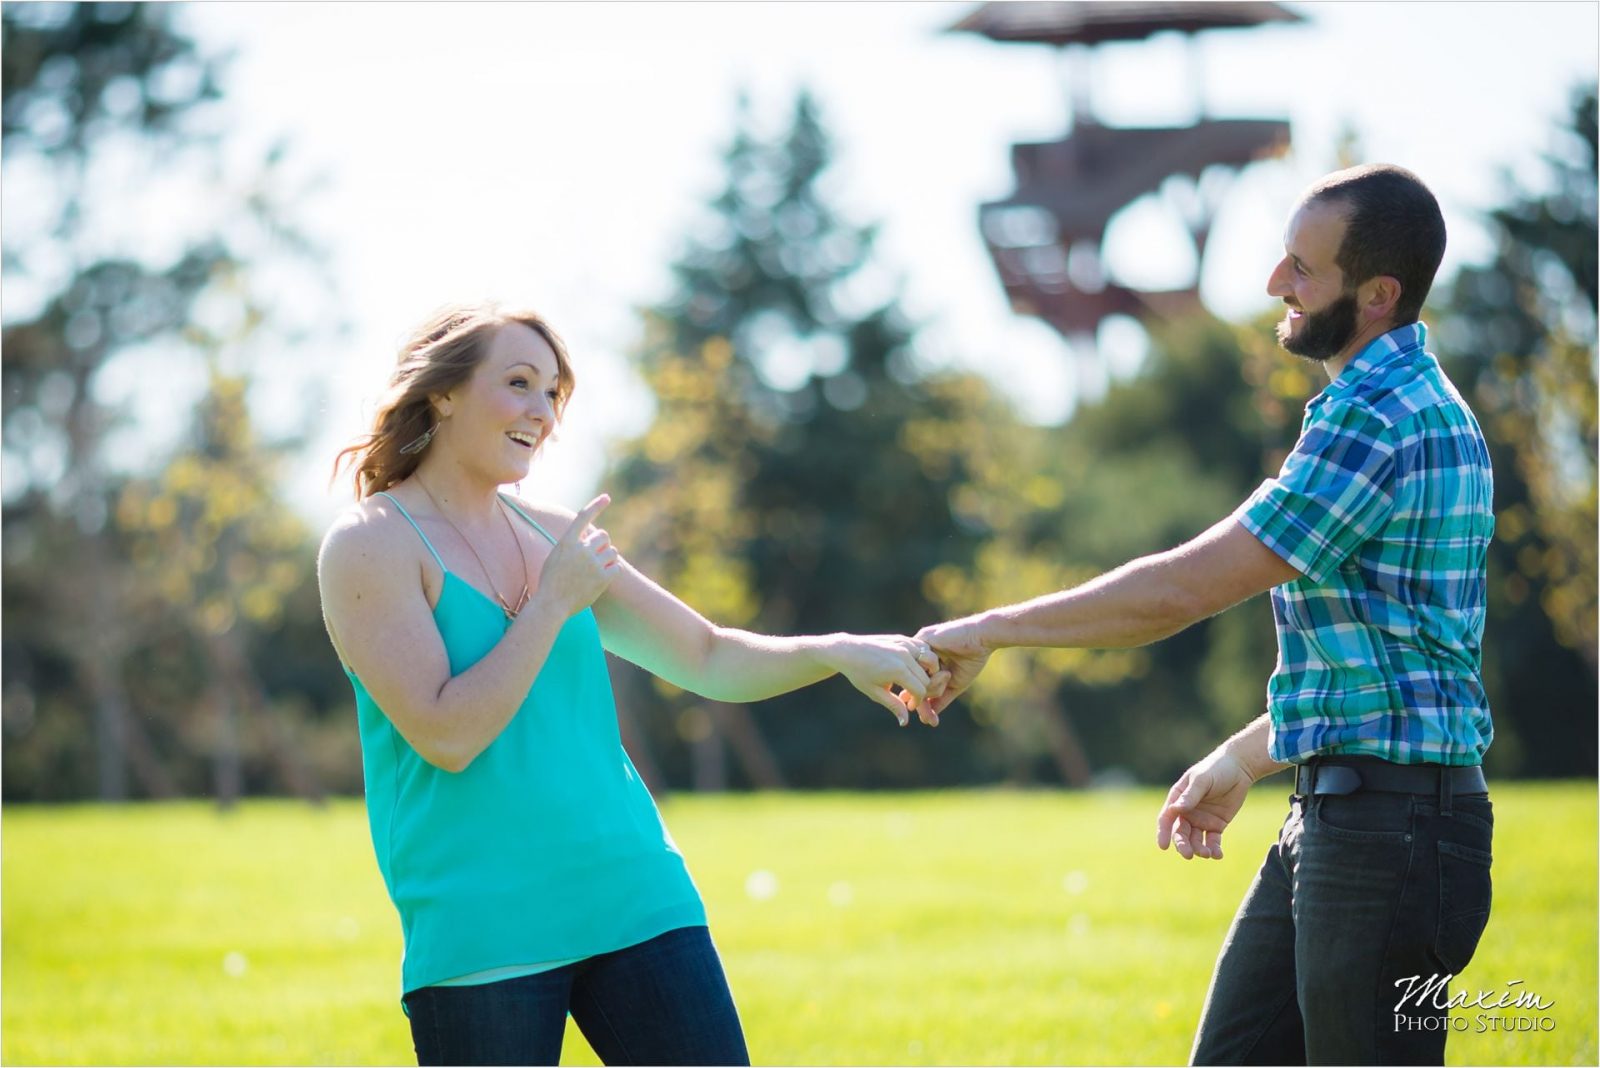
{"x": 665, "y": 1001}
{"x": 1360, "y": 892}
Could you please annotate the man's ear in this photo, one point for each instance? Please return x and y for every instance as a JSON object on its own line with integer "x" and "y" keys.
{"x": 1377, "y": 297}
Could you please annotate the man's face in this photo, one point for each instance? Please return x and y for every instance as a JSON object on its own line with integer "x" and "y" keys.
{"x": 1321, "y": 318}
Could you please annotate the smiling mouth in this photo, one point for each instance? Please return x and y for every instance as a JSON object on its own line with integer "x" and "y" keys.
{"x": 527, "y": 441}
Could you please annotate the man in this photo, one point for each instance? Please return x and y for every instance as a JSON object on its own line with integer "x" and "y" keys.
{"x": 1372, "y": 539}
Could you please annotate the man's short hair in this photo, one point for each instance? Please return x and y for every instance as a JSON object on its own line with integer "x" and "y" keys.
{"x": 1393, "y": 227}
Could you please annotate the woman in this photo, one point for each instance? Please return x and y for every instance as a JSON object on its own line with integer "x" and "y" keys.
{"x": 530, "y": 868}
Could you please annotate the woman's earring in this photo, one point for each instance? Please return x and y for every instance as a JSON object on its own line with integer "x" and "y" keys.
{"x": 420, "y": 443}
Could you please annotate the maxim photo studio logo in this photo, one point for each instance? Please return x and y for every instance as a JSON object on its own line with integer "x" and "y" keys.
{"x": 1427, "y": 1005}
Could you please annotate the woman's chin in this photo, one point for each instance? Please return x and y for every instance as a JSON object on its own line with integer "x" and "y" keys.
{"x": 515, "y": 474}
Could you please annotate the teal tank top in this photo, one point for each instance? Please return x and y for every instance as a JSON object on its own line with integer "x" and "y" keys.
{"x": 548, "y": 847}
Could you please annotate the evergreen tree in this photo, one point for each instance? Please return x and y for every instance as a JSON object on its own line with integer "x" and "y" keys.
{"x": 779, "y": 487}
{"x": 1519, "y": 338}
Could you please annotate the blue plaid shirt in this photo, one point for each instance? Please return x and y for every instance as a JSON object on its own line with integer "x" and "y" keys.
{"x": 1385, "y": 508}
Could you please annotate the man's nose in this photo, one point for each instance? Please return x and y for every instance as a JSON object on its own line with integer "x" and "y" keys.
{"x": 1278, "y": 280}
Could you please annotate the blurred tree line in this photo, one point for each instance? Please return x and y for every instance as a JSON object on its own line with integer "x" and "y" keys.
{"x": 161, "y": 636}
{"x": 805, "y": 472}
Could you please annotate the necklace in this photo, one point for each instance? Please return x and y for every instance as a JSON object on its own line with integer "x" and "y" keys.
{"x": 505, "y": 606}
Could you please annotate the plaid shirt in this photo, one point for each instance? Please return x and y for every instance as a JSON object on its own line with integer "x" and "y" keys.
{"x": 1385, "y": 508}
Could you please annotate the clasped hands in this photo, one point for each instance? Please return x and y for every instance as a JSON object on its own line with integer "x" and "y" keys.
{"x": 921, "y": 674}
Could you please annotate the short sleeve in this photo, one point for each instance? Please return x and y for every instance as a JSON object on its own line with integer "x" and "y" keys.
{"x": 1335, "y": 491}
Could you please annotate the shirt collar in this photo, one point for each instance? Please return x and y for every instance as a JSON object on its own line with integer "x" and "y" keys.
{"x": 1400, "y": 343}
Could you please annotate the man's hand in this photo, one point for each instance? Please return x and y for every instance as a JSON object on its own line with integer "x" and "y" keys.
{"x": 1201, "y": 804}
{"x": 961, "y": 653}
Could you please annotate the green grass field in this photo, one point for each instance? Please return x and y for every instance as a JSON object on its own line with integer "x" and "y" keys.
{"x": 937, "y": 928}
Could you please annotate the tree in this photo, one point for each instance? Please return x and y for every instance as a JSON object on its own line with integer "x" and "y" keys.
{"x": 93, "y": 93}
{"x": 1519, "y": 333}
{"x": 1153, "y": 462}
{"x": 781, "y": 486}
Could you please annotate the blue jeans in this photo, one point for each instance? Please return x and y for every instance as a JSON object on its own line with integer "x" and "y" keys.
{"x": 665, "y": 1001}
{"x": 1360, "y": 892}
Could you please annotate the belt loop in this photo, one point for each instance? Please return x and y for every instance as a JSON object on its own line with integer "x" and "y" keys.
{"x": 1446, "y": 790}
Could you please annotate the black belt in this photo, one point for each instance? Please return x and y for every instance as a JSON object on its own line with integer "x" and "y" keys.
{"x": 1347, "y": 775}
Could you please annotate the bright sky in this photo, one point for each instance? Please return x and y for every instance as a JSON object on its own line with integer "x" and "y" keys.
{"x": 557, "y": 154}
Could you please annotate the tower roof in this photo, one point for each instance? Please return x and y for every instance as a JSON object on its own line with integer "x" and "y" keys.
{"x": 1064, "y": 22}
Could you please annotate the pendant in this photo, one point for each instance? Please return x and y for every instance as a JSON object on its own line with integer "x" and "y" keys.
{"x": 522, "y": 602}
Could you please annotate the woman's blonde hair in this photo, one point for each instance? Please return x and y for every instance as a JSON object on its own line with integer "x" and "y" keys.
{"x": 440, "y": 355}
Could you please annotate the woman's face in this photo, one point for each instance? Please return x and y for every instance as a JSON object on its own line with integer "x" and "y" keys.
{"x": 499, "y": 417}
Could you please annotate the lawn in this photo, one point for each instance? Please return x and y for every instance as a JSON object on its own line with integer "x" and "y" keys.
{"x": 979, "y": 928}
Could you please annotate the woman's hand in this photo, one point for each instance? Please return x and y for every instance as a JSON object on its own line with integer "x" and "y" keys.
{"x": 877, "y": 663}
{"x": 581, "y": 566}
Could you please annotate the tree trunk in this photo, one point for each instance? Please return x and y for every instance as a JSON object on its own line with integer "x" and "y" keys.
{"x": 227, "y": 769}
{"x": 143, "y": 760}
{"x": 110, "y": 721}
{"x": 709, "y": 760}
{"x": 738, "y": 727}
{"x": 1071, "y": 760}
{"x": 297, "y": 774}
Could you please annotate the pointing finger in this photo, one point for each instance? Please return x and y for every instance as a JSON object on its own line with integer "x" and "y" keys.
{"x": 581, "y": 521}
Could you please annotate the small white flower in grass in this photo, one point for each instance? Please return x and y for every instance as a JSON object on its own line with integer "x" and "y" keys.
{"x": 347, "y": 929}
{"x": 761, "y": 885}
{"x": 235, "y": 964}
{"x": 1075, "y": 882}
{"x": 841, "y": 894}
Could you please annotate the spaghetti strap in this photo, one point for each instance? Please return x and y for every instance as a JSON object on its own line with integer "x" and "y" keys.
{"x": 436, "y": 558}
{"x": 532, "y": 521}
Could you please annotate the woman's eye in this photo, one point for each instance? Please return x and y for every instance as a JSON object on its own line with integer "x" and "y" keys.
{"x": 520, "y": 383}
{"x": 553, "y": 394}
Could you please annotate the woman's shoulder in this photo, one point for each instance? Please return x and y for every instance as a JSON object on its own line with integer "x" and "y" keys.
{"x": 370, "y": 531}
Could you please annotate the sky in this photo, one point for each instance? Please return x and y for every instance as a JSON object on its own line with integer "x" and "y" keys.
{"x": 557, "y": 155}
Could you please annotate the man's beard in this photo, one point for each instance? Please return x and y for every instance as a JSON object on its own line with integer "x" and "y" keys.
{"x": 1323, "y": 334}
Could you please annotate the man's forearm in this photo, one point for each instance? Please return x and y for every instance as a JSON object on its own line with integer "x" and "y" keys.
{"x": 1138, "y": 603}
{"x": 1145, "y": 600}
